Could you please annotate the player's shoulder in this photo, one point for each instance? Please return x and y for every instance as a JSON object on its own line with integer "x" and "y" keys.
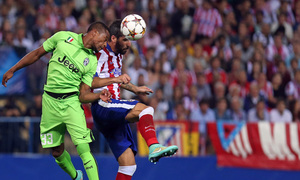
{"x": 102, "y": 54}
{"x": 65, "y": 34}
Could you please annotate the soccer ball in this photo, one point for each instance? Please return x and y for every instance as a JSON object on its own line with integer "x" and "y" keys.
{"x": 133, "y": 27}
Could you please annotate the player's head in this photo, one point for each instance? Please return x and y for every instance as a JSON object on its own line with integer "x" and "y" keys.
{"x": 117, "y": 38}
{"x": 100, "y": 35}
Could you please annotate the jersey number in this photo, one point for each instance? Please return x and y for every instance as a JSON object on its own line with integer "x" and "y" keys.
{"x": 47, "y": 138}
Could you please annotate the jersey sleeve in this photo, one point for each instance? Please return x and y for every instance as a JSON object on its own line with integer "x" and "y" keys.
{"x": 50, "y": 44}
{"x": 87, "y": 78}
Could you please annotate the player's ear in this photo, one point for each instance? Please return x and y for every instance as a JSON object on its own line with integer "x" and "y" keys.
{"x": 113, "y": 38}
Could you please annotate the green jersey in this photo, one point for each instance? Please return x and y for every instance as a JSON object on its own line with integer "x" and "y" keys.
{"x": 70, "y": 64}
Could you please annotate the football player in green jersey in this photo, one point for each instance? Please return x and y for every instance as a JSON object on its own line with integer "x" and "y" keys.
{"x": 69, "y": 78}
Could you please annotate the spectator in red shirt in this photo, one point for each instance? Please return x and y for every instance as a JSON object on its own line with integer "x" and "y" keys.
{"x": 215, "y": 68}
{"x": 207, "y": 22}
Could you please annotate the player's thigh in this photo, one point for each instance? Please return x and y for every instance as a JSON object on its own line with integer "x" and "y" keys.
{"x": 133, "y": 115}
{"x": 52, "y": 127}
{"x": 76, "y": 124}
{"x": 127, "y": 158}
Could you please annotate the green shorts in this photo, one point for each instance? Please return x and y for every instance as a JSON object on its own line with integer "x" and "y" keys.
{"x": 60, "y": 115}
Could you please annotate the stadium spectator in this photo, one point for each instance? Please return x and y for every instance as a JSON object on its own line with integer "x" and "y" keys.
{"x": 215, "y": 69}
{"x": 234, "y": 72}
{"x": 295, "y": 54}
{"x": 162, "y": 104}
{"x": 277, "y": 49}
{"x": 207, "y": 22}
{"x": 280, "y": 113}
{"x": 198, "y": 56}
{"x": 222, "y": 113}
{"x": 242, "y": 82}
{"x": 292, "y": 89}
{"x": 158, "y": 115}
{"x": 236, "y": 110}
{"x": 294, "y": 107}
{"x": 182, "y": 19}
{"x": 177, "y": 97}
{"x": 181, "y": 76}
{"x": 278, "y": 90}
{"x": 247, "y": 49}
{"x": 152, "y": 39}
{"x": 285, "y": 74}
{"x": 253, "y": 97}
{"x": 219, "y": 91}
{"x": 258, "y": 113}
{"x": 203, "y": 88}
{"x": 283, "y": 25}
{"x": 191, "y": 102}
{"x": 264, "y": 35}
{"x": 203, "y": 115}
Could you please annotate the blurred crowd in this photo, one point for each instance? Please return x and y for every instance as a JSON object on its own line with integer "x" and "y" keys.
{"x": 206, "y": 60}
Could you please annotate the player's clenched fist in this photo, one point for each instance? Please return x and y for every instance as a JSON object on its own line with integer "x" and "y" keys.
{"x": 124, "y": 79}
{"x": 105, "y": 95}
{"x": 6, "y": 77}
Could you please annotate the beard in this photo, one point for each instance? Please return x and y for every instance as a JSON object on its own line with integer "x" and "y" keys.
{"x": 121, "y": 50}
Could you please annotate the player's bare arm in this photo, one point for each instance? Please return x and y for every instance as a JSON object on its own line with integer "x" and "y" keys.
{"x": 30, "y": 58}
{"x": 86, "y": 96}
{"x": 101, "y": 82}
{"x": 141, "y": 90}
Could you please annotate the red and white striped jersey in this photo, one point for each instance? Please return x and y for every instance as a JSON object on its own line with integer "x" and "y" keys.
{"x": 208, "y": 21}
{"x": 109, "y": 65}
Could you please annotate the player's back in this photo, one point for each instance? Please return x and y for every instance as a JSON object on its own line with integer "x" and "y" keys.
{"x": 69, "y": 63}
{"x": 109, "y": 65}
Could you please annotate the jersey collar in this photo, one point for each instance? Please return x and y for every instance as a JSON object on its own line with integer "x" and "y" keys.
{"x": 109, "y": 49}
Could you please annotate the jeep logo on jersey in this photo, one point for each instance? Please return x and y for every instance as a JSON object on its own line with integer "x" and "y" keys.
{"x": 86, "y": 61}
{"x": 68, "y": 64}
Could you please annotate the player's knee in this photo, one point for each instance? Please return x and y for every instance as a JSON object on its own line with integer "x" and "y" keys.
{"x": 57, "y": 152}
{"x": 148, "y": 110}
{"x": 128, "y": 170}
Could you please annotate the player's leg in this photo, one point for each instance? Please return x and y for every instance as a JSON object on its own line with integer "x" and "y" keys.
{"x": 109, "y": 118}
{"x": 63, "y": 159}
{"x": 89, "y": 162}
{"x": 144, "y": 114}
{"x": 52, "y": 134}
{"x": 127, "y": 165}
{"x": 81, "y": 137}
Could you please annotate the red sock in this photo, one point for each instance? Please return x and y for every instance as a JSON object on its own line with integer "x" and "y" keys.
{"x": 121, "y": 176}
{"x": 147, "y": 130}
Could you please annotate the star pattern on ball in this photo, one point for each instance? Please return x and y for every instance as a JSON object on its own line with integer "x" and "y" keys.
{"x": 137, "y": 21}
{"x": 144, "y": 30}
{"x": 124, "y": 24}
{"x": 132, "y": 33}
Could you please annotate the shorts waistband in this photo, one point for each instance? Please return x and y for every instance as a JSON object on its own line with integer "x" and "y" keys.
{"x": 60, "y": 95}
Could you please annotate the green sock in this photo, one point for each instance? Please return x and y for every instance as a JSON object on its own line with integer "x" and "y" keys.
{"x": 89, "y": 162}
{"x": 64, "y": 161}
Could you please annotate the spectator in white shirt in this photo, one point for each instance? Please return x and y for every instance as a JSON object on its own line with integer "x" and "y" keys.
{"x": 259, "y": 112}
{"x": 203, "y": 115}
{"x": 280, "y": 113}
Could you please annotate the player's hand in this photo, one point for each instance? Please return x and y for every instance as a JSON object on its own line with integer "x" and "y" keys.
{"x": 143, "y": 90}
{"x": 105, "y": 95}
{"x": 124, "y": 79}
{"x": 9, "y": 74}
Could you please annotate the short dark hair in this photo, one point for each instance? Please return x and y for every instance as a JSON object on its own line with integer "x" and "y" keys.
{"x": 99, "y": 26}
{"x": 204, "y": 101}
{"x": 115, "y": 28}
